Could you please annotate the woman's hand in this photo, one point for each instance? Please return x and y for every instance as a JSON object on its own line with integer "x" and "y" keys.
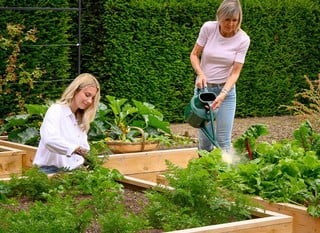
{"x": 218, "y": 101}
{"x": 201, "y": 81}
{"x": 81, "y": 151}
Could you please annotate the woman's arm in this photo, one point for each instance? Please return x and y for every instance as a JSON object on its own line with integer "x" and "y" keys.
{"x": 231, "y": 81}
{"x": 195, "y": 62}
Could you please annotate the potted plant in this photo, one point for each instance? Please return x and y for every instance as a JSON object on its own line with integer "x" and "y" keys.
{"x": 134, "y": 126}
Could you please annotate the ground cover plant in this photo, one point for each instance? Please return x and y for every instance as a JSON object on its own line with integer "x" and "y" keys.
{"x": 281, "y": 171}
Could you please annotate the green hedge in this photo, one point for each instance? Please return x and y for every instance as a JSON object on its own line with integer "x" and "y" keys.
{"x": 284, "y": 47}
{"x": 50, "y": 53}
{"x": 140, "y": 49}
{"x": 147, "y": 45}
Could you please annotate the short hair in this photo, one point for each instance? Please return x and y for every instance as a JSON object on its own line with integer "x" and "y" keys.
{"x": 81, "y": 81}
{"x": 230, "y": 8}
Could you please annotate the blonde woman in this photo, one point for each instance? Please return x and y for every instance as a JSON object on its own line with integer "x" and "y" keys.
{"x": 63, "y": 143}
{"x": 217, "y": 58}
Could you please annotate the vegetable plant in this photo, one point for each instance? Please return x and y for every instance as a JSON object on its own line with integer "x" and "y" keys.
{"x": 197, "y": 197}
{"x": 284, "y": 171}
{"x": 24, "y": 128}
{"x": 127, "y": 118}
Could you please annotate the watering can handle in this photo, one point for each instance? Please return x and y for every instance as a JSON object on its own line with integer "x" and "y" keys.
{"x": 202, "y": 90}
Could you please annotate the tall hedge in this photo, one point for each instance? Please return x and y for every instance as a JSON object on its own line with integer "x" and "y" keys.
{"x": 146, "y": 46}
{"x": 140, "y": 49}
{"x": 50, "y": 53}
{"x": 284, "y": 47}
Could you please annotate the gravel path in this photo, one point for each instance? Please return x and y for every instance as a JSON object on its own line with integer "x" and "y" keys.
{"x": 279, "y": 127}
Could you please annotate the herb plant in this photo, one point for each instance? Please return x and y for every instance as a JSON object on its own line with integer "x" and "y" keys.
{"x": 197, "y": 197}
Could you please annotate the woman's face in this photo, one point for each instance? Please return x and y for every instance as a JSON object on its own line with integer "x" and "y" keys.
{"x": 228, "y": 26}
{"x": 84, "y": 98}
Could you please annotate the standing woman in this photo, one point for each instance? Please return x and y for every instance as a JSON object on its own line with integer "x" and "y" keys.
{"x": 217, "y": 58}
{"x": 63, "y": 143}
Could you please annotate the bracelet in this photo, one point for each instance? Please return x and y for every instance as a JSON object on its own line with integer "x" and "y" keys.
{"x": 224, "y": 91}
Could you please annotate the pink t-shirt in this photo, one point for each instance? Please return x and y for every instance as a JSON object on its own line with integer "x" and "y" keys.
{"x": 219, "y": 53}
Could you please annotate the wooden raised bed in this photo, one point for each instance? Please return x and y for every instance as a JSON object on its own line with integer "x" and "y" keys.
{"x": 10, "y": 161}
{"x": 27, "y": 156}
{"x": 143, "y": 169}
{"x": 147, "y": 165}
{"x": 266, "y": 222}
{"x": 303, "y": 222}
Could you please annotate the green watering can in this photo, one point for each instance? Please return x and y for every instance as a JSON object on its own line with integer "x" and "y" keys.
{"x": 198, "y": 113}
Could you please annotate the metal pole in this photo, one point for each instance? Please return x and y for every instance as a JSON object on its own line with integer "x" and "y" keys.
{"x": 79, "y": 37}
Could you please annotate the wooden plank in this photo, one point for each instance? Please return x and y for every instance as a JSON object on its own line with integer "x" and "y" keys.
{"x": 138, "y": 182}
{"x": 3, "y": 137}
{"x": 273, "y": 223}
{"x": 161, "y": 179}
{"x": 10, "y": 161}
{"x": 29, "y": 154}
{"x": 152, "y": 161}
{"x": 303, "y": 222}
{"x": 148, "y": 176}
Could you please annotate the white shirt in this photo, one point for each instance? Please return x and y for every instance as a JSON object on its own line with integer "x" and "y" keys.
{"x": 60, "y": 136}
{"x": 219, "y": 53}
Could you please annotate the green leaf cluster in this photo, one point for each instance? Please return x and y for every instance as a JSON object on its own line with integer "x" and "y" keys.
{"x": 66, "y": 202}
{"x": 285, "y": 171}
{"x": 197, "y": 197}
{"x": 126, "y": 120}
{"x": 24, "y": 128}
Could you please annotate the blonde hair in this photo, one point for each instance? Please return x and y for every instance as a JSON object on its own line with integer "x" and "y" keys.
{"x": 84, "y": 117}
{"x": 230, "y": 8}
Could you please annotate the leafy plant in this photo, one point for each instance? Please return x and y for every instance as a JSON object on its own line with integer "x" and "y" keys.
{"x": 24, "y": 128}
{"x": 67, "y": 202}
{"x": 285, "y": 171}
{"x": 129, "y": 118}
{"x": 197, "y": 197}
{"x": 246, "y": 143}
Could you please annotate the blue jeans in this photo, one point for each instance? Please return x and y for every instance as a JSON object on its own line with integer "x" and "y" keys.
{"x": 224, "y": 118}
{"x": 49, "y": 169}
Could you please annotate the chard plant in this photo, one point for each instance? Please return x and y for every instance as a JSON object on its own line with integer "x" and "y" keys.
{"x": 285, "y": 171}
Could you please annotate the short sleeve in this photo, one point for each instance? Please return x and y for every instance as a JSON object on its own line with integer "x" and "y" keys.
{"x": 205, "y": 31}
{"x": 243, "y": 49}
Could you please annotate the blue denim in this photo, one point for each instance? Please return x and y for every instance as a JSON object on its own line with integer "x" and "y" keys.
{"x": 224, "y": 119}
{"x": 49, "y": 169}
